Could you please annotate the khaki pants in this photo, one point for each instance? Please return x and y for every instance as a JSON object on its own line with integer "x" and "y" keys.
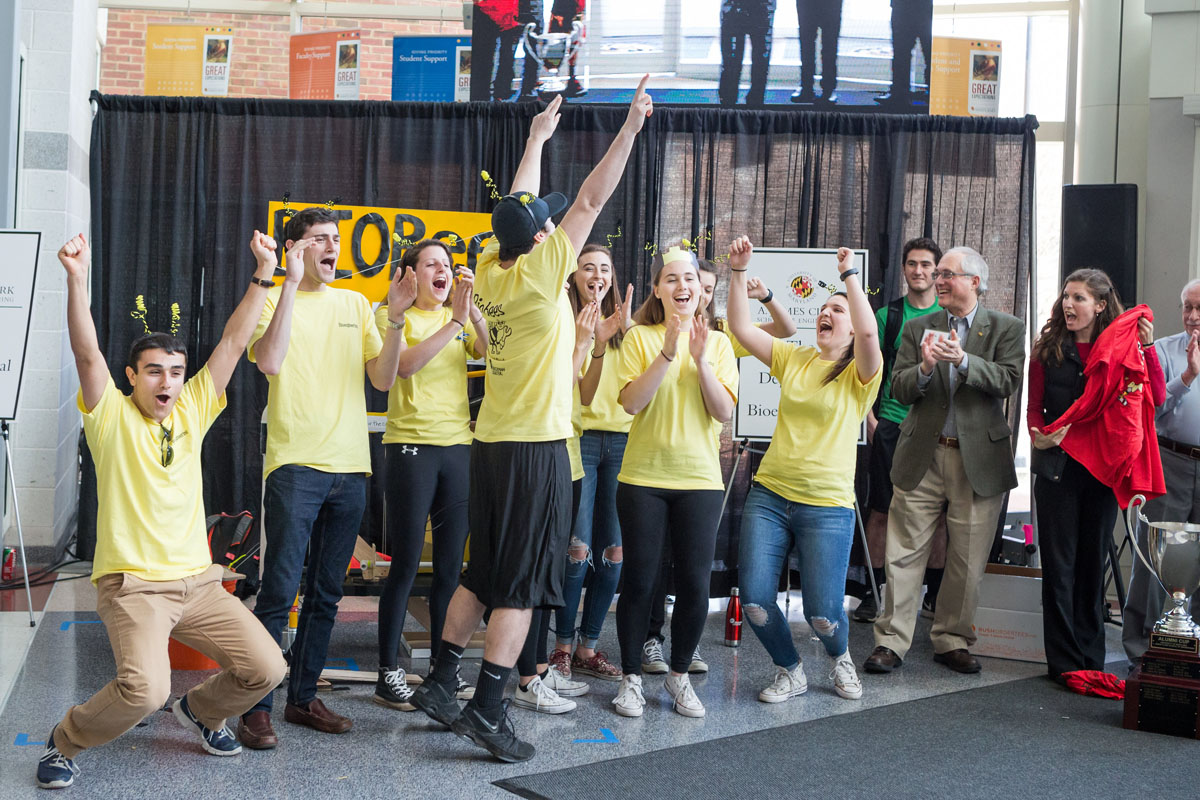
{"x": 970, "y": 528}
{"x": 140, "y": 616}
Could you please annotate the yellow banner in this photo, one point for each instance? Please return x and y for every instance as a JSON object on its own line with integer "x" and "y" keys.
{"x": 964, "y": 77}
{"x": 369, "y": 254}
{"x": 187, "y": 60}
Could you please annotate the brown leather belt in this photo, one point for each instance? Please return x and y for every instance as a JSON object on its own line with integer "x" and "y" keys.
{"x": 948, "y": 441}
{"x": 1177, "y": 447}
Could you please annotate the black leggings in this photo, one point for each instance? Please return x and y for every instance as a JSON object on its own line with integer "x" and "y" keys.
{"x": 423, "y": 481}
{"x": 534, "y": 651}
{"x": 651, "y": 521}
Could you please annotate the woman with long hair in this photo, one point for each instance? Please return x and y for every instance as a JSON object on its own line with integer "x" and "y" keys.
{"x": 1075, "y": 512}
{"x": 596, "y": 536}
{"x": 427, "y": 447}
{"x": 802, "y": 497}
{"x": 680, "y": 385}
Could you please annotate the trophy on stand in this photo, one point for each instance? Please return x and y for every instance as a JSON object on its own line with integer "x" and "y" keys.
{"x": 551, "y": 51}
{"x": 1162, "y": 694}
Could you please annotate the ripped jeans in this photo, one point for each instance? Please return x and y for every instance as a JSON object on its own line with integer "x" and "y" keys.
{"x": 822, "y": 538}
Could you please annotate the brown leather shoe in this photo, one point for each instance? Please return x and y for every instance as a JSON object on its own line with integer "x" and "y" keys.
{"x": 882, "y": 659}
{"x": 317, "y": 717}
{"x": 959, "y": 660}
{"x": 255, "y": 731}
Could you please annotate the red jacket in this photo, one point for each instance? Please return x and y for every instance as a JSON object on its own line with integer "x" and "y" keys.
{"x": 502, "y": 12}
{"x": 1112, "y": 423}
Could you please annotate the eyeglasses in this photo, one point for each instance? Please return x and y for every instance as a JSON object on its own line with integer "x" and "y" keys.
{"x": 938, "y": 274}
{"x": 167, "y": 451}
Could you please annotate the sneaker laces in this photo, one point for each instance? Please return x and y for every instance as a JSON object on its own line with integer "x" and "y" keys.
{"x": 506, "y": 724}
{"x": 843, "y": 671}
{"x": 784, "y": 682}
{"x": 696, "y": 654}
{"x": 686, "y": 695}
{"x": 56, "y": 759}
{"x": 630, "y": 686}
{"x": 652, "y": 650}
{"x": 544, "y": 693}
{"x": 394, "y": 678}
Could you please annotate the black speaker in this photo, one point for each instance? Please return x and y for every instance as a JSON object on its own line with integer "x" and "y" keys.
{"x": 1099, "y": 230}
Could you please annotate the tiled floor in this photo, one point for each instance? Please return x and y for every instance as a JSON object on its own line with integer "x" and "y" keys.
{"x": 393, "y": 754}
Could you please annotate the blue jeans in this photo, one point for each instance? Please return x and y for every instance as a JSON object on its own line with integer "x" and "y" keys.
{"x": 321, "y": 512}
{"x": 597, "y": 528}
{"x": 822, "y": 538}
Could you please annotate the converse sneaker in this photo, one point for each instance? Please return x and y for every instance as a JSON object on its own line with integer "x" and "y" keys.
{"x": 55, "y": 771}
{"x": 560, "y": 662}
{"x": 698, "y": 665}
{"x": 392, "y": 690}
{"x": 788, "y": 684}
{"x": 845, "y": 679}
{"x": 565, "y": 687}
{"x": 219, "y": 742}
{"x": 686, "y": 702}
{"x": 652, "y": 658}
{"x": 462, "y": 689}
{"x": 598, "y": 666}
{"x": 537, "y": 696}
{"x": 499, "y": 738}
{"x": 630, "y": 700}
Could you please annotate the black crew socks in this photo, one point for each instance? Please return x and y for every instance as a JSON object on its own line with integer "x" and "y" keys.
{"x": 490, "y": 689}
{"x": 878, "y": 575}
{"x": 445, "y": 669}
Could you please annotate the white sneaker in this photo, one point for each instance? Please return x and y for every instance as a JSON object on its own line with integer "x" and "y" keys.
{"x": 788, "y": 684}
{"x": 845, "y": 679}
{"x": 652, "y": 658}
{"x": 537, "y": 696}
{"x": 564, "y": 687}
{"x": 681, "y": 691}
{"x": 630, "y": 700}
{"x": 698, "y": 665}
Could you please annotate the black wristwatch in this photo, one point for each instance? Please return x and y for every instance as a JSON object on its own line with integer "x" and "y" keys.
{"x": 847, "y": 274}
{"x": 262, "y": 282}
{"x": 770, "y": 296}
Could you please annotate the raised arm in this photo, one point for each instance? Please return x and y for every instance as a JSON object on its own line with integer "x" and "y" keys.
{"x": 272, "y": 346}
{"x": 756, "y": 340}
{"x": 868, "y": 358}
{"x": 241, "y": 324}
{"x": 382, "y": 368}
{"x": 603, "y": 179}
{"x": 781, "y": 325}
{"x": 75, "y": 256}
{"x": 529, "y": 171}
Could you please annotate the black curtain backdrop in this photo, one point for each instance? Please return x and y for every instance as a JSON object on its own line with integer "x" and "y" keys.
{"x": 179, "y": 184}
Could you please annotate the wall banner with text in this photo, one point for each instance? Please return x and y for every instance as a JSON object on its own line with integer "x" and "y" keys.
{"x": 431, "y": 69}
{"x": 187, "y": 60}
{"x": 965, "y": 81}
{"x": 324, "y": 65}
{"x": 370, "y": 250}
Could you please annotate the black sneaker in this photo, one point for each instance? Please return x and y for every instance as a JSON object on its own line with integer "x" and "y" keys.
{"x": 437, "y": 701}
{"x": 498, "y": 738}
{"x": 867, "y": 610}
{"x": 392, "y": 690}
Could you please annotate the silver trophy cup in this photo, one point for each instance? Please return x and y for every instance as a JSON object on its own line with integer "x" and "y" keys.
{"x": 551, "y": 51}
{"x": 1174, "y": 559}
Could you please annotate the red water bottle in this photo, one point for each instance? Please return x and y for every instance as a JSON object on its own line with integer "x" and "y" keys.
{"x": 733, "y": 619}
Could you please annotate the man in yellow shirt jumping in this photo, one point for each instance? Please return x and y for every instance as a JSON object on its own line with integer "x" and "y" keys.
{"x": 153, "y": 571}
{"x": 520, "y": 512}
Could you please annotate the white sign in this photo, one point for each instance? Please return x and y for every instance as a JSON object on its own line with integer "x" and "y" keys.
{"x": 803, "y": 280}
{"x": 18, "y": 271}
{"x": 218, "y": 51}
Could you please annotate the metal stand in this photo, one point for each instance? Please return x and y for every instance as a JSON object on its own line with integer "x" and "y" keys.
{"x": 1114, "y": 561}
{"x": 12, "y": 480}
{"x": 744, "y": 447}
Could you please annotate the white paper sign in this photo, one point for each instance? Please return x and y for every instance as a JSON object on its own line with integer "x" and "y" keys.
{"x": 803, "y": 279}
{"x": 18, "y": 272}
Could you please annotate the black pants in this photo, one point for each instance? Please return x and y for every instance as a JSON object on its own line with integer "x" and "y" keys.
{"x": 1075, "y": 520}
{"x": 658, "y": 606}
{"x": 534, "y": 651}
{"x": 653, "y": 520}
{"x": 741, "y": 19}
{"x": 423, "y": 481}
{"x": 911, "y": 21}
{"x": 825, "y": 15}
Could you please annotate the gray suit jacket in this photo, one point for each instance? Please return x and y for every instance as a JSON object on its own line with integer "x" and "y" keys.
{"x": 996, "y": 346}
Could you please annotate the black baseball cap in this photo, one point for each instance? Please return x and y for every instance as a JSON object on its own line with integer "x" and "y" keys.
{"x": 518, "y": 217}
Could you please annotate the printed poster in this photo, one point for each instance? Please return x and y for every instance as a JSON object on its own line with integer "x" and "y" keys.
{"x": 324, "y": 65}
{"x": 430, "y": 68}
{"x": 965, "y": 78}
{"x": 184, "y": 60}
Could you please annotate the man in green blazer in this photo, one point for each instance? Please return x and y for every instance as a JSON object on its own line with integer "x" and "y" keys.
{"x": 956, "y": 368}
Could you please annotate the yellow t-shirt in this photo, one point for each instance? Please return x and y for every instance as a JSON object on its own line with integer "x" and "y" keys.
{"x": 150, "y": 520}
{"x": 605, "y": 413}
{"x": 673, "y": 442}
{"x": 738, "y": 350}
{"x": 573, "y": 452}
{"x": 317, "y": 407}
{"x": 812, "y": 455}
{"x": 432, "y": 406}
{"x": 531, "y": 332}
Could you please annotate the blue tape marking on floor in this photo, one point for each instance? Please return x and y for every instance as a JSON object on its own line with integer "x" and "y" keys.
{"x": 609, "y": 738}
{"x": 71, "y": 622}
{"x": 335, "y": 663}
{"x": 22, "y": 740}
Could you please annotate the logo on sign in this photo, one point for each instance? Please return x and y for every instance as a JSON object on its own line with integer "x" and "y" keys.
{"x": 802, "y": 285}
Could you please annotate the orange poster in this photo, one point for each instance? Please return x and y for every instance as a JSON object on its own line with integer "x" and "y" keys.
{"x": 964, "y": 78}
{"x": 187, "y": 60}
{"x": 324, "y": 65}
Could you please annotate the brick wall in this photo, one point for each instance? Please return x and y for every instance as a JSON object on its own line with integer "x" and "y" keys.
{"x": 260, "y": 47}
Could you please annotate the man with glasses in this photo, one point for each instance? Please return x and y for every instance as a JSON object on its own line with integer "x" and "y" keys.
{"x": 1177, "y": 422}
{"x": 154, "y": 575}
{"x": 956, "y": 369}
